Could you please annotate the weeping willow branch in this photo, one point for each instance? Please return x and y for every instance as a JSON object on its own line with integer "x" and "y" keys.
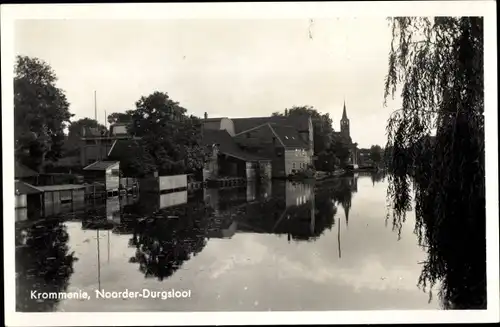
{"x": 437, "y": 64}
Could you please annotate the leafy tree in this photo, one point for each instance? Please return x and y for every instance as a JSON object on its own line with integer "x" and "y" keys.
{"x": 438, "y": 63}
{"x": 170, "y": 137}
{"x": 75, "y": 130}
{"x": 340, "y": 149}
{"x": 376, "y": 153}
{"x": 41, "y": 113}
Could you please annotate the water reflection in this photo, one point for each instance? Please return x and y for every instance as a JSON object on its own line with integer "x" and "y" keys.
{"x": 169, "y": 238}
{"x": 161, "y": 239}
{"x": 43, "y": 263}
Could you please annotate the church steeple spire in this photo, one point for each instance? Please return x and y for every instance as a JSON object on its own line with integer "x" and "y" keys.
{"x": 344, "y": 123}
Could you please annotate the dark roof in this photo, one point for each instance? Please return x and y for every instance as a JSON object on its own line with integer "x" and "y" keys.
{"x": 301, "y": 123}
{"x": 227, "y": 145}
{"x": 25, "y": 188}
{"x": 288, "y": 136}
{"x": 100, "y": 165}
{"x": 21, "y": 171}
{"x": 122, "y": 149}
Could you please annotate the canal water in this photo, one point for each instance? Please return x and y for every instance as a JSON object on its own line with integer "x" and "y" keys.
{"x": 278, "y": 246}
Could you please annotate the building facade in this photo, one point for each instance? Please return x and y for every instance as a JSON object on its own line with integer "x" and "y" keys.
{"x": 286, "y": 142}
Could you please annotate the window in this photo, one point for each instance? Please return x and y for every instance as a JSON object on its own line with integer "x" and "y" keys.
{"x": 248, "y": 135}
{"x": 293, "y": 165}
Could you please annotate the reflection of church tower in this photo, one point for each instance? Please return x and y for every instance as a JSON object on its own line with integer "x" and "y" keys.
{"x": 344, "y": 124}
{"x": 346, "y": 204}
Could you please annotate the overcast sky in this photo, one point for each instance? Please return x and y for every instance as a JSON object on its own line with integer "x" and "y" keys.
{"x": 229, "y": 68}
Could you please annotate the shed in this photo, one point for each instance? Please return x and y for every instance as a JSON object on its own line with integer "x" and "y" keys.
{"x": 106, "y": 172}
{"x": 56, "y": 196}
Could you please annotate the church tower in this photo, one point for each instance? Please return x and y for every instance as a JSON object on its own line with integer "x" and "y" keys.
{"x": 344, "y": 124}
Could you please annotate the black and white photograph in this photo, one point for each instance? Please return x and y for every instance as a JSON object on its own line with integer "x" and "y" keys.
{"x": 250, "y": 163}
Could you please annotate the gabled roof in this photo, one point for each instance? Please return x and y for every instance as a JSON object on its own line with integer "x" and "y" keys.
{"x": 101, "y": 165}
{"x": 288, "y": 136}
{"x": 227, "y": 145}
{"x": 301, "y": 123}
{"x": 21, "y": 171}
{"x": 25, "y": 188}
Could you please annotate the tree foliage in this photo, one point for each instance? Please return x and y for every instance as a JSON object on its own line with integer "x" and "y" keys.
{"x": 41, "y": 113}
{"x": 171, "y": 140}
{"x": 330, "y": 149}
{"x": 75, "y": 130}
{"x": 438, "y": 65}
{"x": 376, "y": 153}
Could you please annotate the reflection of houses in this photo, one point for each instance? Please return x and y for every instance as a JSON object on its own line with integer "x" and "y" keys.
{"x": 285, "y": 141}
{"x": 345, "y": 136}
{"x": 151, "y": 203}
{"x": 289, "y": 210}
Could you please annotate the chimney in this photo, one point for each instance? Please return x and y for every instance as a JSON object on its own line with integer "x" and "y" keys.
{"x": 206, "y": 116}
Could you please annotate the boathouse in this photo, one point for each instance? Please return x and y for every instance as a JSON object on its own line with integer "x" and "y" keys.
{"x": 56, "y": 196}
{"x": 104, "y": 172}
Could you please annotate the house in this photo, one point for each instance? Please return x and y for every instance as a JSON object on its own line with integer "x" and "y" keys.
{"x": 95, "y": 144}
{"x": 104, "y": 172}
{"x": 365, "y": 157}
{"x": 288, "y": 150}
{"x": 229, "y": 160}
{"x": 262, "y": 136}
{"x": 302, "y": 124}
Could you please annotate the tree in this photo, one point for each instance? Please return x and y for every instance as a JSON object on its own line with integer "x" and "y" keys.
{"x": 41, "y": 113}
{"x": 438, "y": 64}
{"x": 376, "y": 154}
{"x": 75, "y": 130}
{"x": 171, "y": 138}
{"x": 340, "y": 149}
